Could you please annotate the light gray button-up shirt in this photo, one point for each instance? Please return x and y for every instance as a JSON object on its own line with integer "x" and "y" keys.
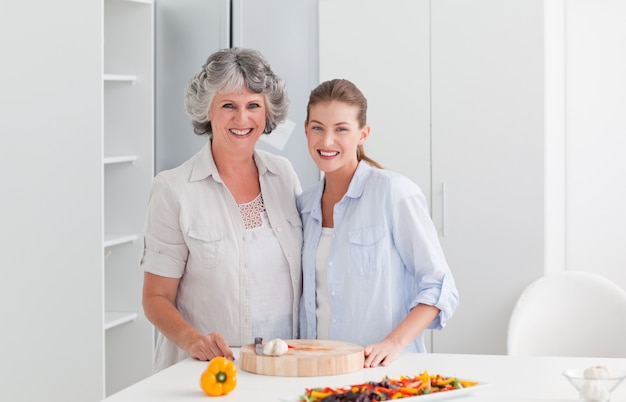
{"x": 194, "y": 231}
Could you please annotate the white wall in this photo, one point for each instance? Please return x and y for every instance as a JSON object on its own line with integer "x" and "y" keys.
{"x": 50, "y": 215}
{"x": 595, "y": 81}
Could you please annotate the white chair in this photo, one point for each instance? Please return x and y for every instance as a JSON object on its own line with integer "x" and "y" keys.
{"x": 569, "y": 314}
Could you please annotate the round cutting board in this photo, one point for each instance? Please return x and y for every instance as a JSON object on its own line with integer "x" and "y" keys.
{"x": 306, "y": 358}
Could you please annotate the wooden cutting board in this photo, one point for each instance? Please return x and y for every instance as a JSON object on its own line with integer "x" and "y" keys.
{"x": 307, "y": 358}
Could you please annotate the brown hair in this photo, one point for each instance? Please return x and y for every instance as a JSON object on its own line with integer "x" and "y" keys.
{"x": 343, "y": 91}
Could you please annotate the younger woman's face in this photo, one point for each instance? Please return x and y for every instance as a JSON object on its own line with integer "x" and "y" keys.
{"x": 333, "y": 135}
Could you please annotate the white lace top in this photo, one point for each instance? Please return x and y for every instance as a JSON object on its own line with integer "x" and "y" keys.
{"x": 251, "y": 212}
{"x": 271, "y": 294}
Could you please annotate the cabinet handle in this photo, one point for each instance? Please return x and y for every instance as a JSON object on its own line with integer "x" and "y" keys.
{"x": 443, "y": 209}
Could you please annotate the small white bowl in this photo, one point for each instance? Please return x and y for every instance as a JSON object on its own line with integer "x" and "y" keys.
{"x": 594, "y": 389}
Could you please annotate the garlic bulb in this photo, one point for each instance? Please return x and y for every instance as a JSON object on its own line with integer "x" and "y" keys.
{"x": 594, "y": 389}
{"x": 275, "y": 347}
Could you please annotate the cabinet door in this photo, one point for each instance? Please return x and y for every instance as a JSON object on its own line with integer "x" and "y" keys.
{"x": 487, "y": 161}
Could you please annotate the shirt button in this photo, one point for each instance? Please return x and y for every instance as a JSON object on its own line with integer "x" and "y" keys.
{"x": 278, "y": 229}
{"x": 334, "y": 321}
{"x": 332, "y": 293}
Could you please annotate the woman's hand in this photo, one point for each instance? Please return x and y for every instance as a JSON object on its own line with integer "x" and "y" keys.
{"x": 209, "y": 346}
{"x": 382, "y": 353}
{"x": 159, "y": 294}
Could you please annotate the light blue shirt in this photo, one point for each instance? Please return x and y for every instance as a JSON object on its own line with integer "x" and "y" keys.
{"x": 385, "y": 258}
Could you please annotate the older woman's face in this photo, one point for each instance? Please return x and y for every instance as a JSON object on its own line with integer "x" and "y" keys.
{"x": 237, "y": 119}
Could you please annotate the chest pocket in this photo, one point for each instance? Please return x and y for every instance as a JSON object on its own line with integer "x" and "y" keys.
{"x": 367, "y": 250}
{"x": 206, "y": 246}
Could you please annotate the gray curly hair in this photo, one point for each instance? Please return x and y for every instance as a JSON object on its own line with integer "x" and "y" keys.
{"x": 229, "y": 70}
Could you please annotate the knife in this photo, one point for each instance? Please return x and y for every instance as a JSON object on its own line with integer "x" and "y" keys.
{"x": 258, "y": 345}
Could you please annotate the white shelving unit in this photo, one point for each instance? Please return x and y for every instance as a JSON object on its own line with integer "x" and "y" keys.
{"x": 112, "y": 320}
{"x": 128, "y": 166}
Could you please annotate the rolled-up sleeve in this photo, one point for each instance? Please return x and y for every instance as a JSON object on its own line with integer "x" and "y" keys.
{"x": 419, "y": 247}
{"x": 442, "y": 295}
{"x": 165, "y": 251}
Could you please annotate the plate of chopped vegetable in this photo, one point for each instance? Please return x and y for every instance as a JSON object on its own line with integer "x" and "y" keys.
{"x": 423, "y": 387}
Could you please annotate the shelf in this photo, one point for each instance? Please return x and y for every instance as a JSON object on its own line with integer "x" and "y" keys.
{"x": 127, "y": 134}
{"x": 135, "y": 1}
{"x": 119, "y": 78}
{"x": 114, "y": 239}
{"x": 114, "y": 319}
{"x": 109, "y": 160}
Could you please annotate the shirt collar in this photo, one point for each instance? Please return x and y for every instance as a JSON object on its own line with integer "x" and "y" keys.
{"x": 357, "y": 184}
{"x": 355, "y": 189}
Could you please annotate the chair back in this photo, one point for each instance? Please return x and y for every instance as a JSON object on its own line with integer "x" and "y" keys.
{"x": 573, "y": 313}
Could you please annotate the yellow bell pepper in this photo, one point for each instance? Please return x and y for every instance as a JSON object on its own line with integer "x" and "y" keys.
{"x": 425, "y": 377}
{"x": 320, "y": 395}
{"x": 409, "y": 391}
{"x": 220, "y": 377}
{"x": 442, "y": 381}
{"x": 466, "y": 384}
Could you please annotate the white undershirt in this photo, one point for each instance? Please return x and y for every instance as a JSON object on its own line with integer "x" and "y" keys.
{"x": 321, "y": 284}
{"x": 271, "y": 294}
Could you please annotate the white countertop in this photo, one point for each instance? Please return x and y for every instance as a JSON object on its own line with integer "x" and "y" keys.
{"x": 510, "y": 379}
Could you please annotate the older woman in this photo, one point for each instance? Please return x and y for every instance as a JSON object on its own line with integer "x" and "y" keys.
{"x": 223, "y": 235}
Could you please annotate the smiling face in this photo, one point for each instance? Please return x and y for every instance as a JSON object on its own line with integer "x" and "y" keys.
{"x": 237, "y": 119}
{"x": 333, "y": 134}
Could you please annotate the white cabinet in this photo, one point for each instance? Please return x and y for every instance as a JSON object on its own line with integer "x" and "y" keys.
{"x": 128, "y": 166}
{"x": 487, "y": 109}
{"x": 455, "y": 92}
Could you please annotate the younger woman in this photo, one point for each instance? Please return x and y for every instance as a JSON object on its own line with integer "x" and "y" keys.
{"x": 374, "y": 272}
